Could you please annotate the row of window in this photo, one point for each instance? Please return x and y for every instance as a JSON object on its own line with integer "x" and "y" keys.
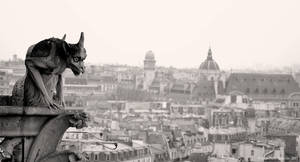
{"x": 113, "y": 156}
{"x": 229, "y": 137}
{"x": 264, "y": 79}
{"x": 182, "y": 110}
{"x": 265, "y": 91}
{"x": 295, "y": 104}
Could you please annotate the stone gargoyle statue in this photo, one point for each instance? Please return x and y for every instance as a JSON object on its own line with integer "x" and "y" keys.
{"x": 42, "y": 86}
{"x": 45, "y": 62}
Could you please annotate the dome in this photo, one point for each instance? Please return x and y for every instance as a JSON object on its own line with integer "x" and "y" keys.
{"x": 149, "y": 56}
{"x": 209, "y": 63}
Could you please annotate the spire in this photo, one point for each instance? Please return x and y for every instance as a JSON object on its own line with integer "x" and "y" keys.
{"x": 209, "y": 55}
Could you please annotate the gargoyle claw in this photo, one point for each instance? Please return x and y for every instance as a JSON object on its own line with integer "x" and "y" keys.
{"x": 77, "y": 157}
{"x": 54, "y": 106}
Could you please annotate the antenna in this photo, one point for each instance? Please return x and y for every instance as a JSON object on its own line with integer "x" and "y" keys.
{"x": 103, "y": 143}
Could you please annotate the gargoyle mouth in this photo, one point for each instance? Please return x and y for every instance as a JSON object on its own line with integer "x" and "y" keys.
{"x": 76, "y": 71}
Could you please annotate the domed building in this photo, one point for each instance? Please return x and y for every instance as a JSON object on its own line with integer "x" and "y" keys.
{"x": 209, "y": 68}
{"x": 211, "y": 81}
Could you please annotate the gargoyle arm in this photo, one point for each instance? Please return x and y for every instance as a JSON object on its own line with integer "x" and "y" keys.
{"x": 59, "y": 90}
{"x": 34, "y": 73}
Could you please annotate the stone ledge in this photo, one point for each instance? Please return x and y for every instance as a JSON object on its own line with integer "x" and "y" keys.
{"x": 32, "y": 111}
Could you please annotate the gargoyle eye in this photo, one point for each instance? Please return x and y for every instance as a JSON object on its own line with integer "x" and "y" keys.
{"x": 75, "y": 59}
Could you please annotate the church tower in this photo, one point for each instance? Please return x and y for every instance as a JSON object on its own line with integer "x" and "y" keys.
{"x": 149, "y": 69}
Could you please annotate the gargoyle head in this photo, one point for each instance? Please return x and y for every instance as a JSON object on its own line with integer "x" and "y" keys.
{"x": 77, "y": 55}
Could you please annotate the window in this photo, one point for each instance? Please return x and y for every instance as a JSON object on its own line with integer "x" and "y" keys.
{"x": 233, "y": 98}
{"x": 107, "y": 157}
{"x": 265, "y": 91}
{"x": 252, "y": 152}
{"x": 233, "y": 151}
{"x": 244, "y": 100}
{"x": 256, "y": 90}
{"x": 248, "y": 90}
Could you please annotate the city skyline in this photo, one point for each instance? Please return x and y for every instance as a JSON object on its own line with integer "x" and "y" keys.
{"x": 241, "y": 34}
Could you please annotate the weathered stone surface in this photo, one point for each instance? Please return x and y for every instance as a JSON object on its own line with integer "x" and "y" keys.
{"x": 5, "y": 100}
{"x": 47, "y": 141}
{"x": 36, "y": 111}
{"x": 23, "y": 121}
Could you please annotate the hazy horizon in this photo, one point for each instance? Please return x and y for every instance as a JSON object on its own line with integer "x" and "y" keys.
{"x": 241, "y": 34}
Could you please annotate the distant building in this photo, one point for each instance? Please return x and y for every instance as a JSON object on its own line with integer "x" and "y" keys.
{"x": 227, "y": 135}
{"x": 209, "y": 85}
{"x": 188, "y": 110}
{"x": 263, "y": 91}
{"x": 5, "y": 77}
{"x": 11, "y": 71}
{"x": 261, "y": 151}
{"x": 149, "y": 70}
{"x": 80, "y": 86}
{"x": 261, "y": 87}
{"x": 90, "y": 141}
{"x": 225, "y": 117}
{"x": 209, "y": 68}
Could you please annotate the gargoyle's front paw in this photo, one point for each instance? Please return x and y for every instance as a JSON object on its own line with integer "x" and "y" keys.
{"x": 78, "y": 157}
{"x": 62, "y": 103}
{"x": 53, "y": 106}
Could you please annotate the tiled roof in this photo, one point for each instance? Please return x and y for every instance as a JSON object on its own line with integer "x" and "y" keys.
{"x": 262, "y": 86}
{"x": 204, "y": 88}
{"x": 182, "y": 87}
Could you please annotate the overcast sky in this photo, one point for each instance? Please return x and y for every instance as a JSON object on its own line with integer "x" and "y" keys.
{"x": 241, "y": 33}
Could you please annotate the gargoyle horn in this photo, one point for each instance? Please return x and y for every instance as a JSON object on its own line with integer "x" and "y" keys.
{"x": 64, "y": 37}
{"x": 81, "y": 40}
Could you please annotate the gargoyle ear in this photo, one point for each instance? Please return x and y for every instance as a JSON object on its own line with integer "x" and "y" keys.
{"x": 81, "y": 40}
{"x": 64, "y": 37}
{"x": 66, "y": 48}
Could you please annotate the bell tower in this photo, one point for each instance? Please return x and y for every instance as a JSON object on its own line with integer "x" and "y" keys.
{"x": 149, "y": 69}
